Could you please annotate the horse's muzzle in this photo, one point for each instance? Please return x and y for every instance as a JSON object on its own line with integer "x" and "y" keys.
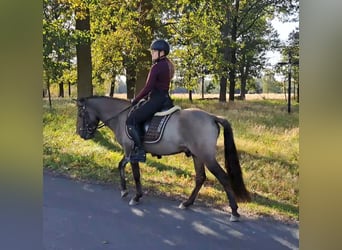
{"x": 86, "y": 134}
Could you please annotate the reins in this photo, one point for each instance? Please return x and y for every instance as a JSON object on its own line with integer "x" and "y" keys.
{"x": 104, "y": 123}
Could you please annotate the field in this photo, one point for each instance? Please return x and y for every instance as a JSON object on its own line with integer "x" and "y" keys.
{"x": 266, "y": 136}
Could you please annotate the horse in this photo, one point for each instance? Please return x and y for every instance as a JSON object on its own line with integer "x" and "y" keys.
{"x": 191, "y": 131}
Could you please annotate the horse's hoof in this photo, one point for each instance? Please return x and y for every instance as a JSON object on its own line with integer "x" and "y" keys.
{"x": 234, "y": 218}
{"x": 124, "y": 193}
{"x": 132, "y": 202}
{"x": 181, "y": 206}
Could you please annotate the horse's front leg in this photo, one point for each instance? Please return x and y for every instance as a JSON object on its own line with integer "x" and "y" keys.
{"x": 122, "y": 165}
{"x": 136, "y": 175}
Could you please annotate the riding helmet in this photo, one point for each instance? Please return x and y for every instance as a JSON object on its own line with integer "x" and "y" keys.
{"x": 161, "y": 45}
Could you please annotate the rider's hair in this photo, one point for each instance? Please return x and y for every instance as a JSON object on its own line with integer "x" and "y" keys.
{"x": 171, "y": 68}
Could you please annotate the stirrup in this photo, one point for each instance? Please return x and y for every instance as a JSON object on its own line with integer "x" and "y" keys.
{"x": 137, "y": 155}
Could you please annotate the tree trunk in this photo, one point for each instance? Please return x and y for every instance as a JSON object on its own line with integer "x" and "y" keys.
{"x": 243, "y": 87}
{"x": 244, "y": 74}
{"x": 49, "y": 93}
{"x": 202, "y": 87}
{"x": 141, "y": 80}
{"x": 232, "y": 68}
{"x": 83, "y": 52}
{"x": 69, "y": 88}
{"x": 223, "y": 89}
{"x": 61, "y": 90}
{"x": 190, "y": 95}
{"x": 232, "y": 83}
{"x": 112, "y": 87}
{"x": 225, "y": 30}
{"x": 130, "y": 80}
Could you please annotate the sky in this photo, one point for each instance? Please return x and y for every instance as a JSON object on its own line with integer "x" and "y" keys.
{"x": 284, "y": 29}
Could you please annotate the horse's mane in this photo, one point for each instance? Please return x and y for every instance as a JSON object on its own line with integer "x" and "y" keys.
{"x": 105, "y": 97}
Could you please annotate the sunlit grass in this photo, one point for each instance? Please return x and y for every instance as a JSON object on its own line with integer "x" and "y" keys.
{"x": 266, "y": 136}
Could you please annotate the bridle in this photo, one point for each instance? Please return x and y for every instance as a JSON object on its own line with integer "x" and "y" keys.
{"x": 89, "y": 127}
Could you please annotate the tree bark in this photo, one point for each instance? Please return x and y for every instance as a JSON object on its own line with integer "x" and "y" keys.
{"x": 83, "y": 53}
{"x": 243, "y": 87}
{"x": 232, "y": 76}
{"x": 202, "y": 81}
{"x": 141, "y": 79}
{"x": 69, "y": 88}
{"x": 61, "y": 90}
{"x": 112, "y": 86}
{"x": 190, "y": 95}
{"x": 130, "y": 80}
{"x": 232, "y": 68}
{"x": 223, "y": 89}
{"x": 244, "y": 75}
{"x": 225, "y": 30}
{"x": 49, "y": 93}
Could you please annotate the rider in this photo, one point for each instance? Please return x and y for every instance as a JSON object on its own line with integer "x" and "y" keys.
{"x": 156, "y": 90}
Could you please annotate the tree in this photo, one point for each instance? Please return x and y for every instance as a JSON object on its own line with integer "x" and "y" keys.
{"x": 56, "y": 42}
{"x": 270, "y": 84}
{"x": 293, "y": 50}
{"x": 129, "y": 28}
{"x": 83, "y": 52}
{"x": 240, "y": 17}
{"x": 195, "y": 37}
{"x": 224, "y": 37}
{"x": 251, "y": 54}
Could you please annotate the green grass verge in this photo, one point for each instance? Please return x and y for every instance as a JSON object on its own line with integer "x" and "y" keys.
{"x": 267, "y": 138}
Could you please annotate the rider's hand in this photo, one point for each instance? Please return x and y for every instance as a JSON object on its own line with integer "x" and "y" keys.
{"x": 133, "y": 102}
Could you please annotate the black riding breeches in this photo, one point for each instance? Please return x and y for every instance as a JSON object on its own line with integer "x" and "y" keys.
{"x": 146, "y": 111}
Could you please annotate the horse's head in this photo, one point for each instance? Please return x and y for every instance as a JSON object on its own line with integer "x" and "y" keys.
{"x": 87, "y": 120}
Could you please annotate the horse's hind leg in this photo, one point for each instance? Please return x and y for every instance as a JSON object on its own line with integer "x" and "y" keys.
{"x": 136, "y": 176}
{"x": 200, "y": 178}
{"x": 121, "y": 167}
{"x": 223, "y": 178}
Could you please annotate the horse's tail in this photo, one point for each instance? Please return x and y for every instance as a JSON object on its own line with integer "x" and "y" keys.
{"x": 232, "y": 163}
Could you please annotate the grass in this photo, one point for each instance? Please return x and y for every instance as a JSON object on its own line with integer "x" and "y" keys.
{"x": 267, "y": 138}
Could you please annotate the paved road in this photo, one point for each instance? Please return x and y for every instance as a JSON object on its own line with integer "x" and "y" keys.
{"x": 88, "y": 216}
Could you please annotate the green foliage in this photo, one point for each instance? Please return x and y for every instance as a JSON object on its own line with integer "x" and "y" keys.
{"x": 290, "y": 53}
{"x": 266, "y": 136}
{"x": 222, "y": 37}
{"x": 270, "y": 84}
{"x": 58, "y": 41}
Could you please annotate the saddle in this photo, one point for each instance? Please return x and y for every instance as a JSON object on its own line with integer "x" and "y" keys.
{"x": 153, "y": 128}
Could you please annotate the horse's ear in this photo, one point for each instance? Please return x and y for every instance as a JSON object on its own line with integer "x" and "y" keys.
{"x": 79, "y": 101}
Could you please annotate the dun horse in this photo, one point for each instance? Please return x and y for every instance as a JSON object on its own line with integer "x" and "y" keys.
{"x": 192, "y": 131}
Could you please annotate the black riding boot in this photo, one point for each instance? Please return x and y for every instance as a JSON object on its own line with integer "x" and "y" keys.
{"x": 138, "y": 152}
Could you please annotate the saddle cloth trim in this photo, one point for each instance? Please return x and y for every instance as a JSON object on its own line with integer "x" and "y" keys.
{"x": 169, "y": 111}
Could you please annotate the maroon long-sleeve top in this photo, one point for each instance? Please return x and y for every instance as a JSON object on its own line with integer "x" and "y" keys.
{"x": 158, "y": 78}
